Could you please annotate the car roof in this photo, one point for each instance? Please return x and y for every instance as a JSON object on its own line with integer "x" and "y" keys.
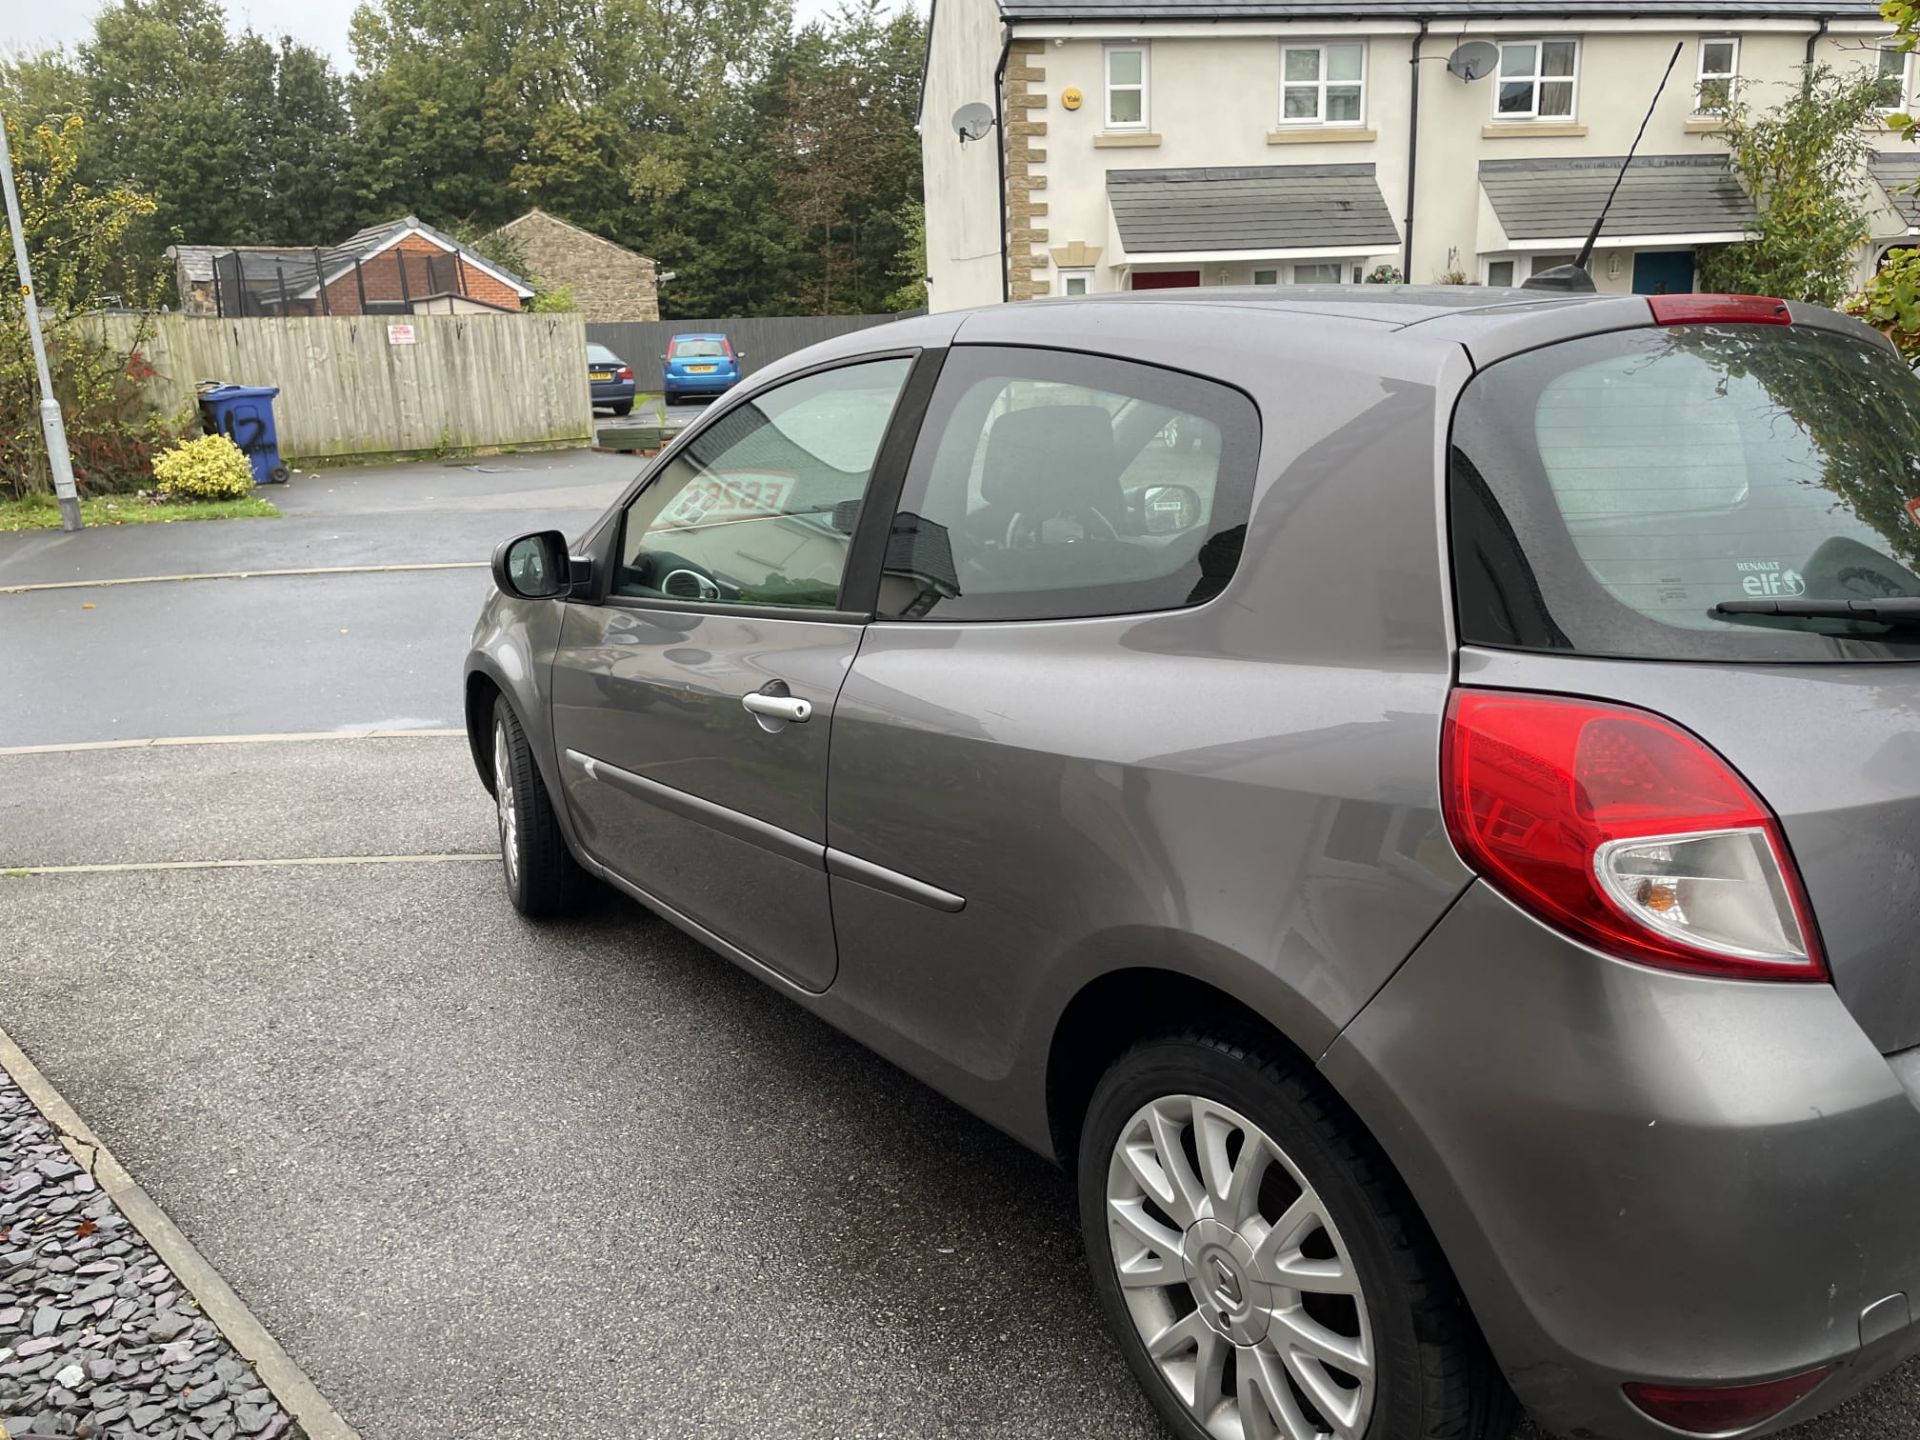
{"x": 1229, "y": 330}
{"x": 701, "y": 335}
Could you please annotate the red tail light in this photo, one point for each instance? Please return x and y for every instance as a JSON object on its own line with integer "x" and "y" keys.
{"x": 729, "y": 344}
{"x": 1723, "y": 1409}
{"x": 1718, "y": 309}
{"x": 1625, "y": 831}
{"x": 625, "y": 372}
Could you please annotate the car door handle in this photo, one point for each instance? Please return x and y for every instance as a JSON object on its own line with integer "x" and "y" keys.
{"x": 778, "y": 707}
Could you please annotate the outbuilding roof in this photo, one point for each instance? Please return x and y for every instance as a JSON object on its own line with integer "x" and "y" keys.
{"x": 1254, "y": 207}
{"x": 1557, "y": 199}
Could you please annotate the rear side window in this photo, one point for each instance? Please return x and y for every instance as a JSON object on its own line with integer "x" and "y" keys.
{"x": 1607, "y": 493}
{"x": 697, "y": 349}
{"x": 1048, "y": 485}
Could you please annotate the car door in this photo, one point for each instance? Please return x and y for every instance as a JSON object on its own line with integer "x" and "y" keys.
{"x": 1086, "y": 751}
{"x": 691, "y": 706}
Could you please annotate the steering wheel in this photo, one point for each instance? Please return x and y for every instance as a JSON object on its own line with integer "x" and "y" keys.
{"x": 674, "y": 576}
{"x": 1025, "y": 531}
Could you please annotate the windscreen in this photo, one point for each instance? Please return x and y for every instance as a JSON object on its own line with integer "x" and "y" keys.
{"x": 1608, "y": 493}
{"x": 694, "y": 349}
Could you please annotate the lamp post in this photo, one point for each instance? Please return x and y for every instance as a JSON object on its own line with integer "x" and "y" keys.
{"x": 52, "y": 423}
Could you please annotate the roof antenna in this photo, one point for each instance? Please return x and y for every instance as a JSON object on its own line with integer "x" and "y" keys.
{"x": 1575, "y": 279}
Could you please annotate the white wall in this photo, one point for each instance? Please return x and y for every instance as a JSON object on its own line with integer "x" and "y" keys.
{"x": 962, "y": 182}
{"x": 1214, "y": 100}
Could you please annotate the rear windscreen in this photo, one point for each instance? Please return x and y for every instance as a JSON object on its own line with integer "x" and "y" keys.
{"x": 1607, "y": 493}
{"x": 685, "y": 349}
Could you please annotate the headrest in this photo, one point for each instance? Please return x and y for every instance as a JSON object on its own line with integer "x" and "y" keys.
{"x": 1051, "y": 459}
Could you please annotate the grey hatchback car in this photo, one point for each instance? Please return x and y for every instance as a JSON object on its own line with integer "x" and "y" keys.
{"x": 1412, "y": 796}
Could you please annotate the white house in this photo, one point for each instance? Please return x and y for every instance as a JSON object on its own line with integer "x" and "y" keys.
{"x": 1141, "y": 144}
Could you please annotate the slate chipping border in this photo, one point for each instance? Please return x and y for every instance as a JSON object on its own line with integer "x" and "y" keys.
{"x": 107, "y": 1312}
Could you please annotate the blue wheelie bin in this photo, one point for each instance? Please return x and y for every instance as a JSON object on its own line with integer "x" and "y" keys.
{"x": 244, "y": 414}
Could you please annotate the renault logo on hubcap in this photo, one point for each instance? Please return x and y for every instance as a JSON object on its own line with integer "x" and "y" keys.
{"x": 1226, "y": 1284}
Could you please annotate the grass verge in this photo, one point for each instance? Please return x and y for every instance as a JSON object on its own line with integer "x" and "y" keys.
{"x": 42, "y": 512}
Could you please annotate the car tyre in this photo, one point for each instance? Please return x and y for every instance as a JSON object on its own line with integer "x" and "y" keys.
{"x": 1214, "y": 1333}
{"x": 623, "y": 409}
{"x": 543, "y": 878}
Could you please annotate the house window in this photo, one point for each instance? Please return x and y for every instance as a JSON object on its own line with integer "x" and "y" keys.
{"x": 1318, "y": 272}
{"x": 1266, "y": 277}
{"x": 1893, "y": 79}
{"x": 1322, "y": 84}
{"x": 1536, "y": 79}
{"x": 1075, "y": 282}
{"x": 1507, "y": 270}
{"x": 1126, "y": 87}
{"x": 1719, "y": 72}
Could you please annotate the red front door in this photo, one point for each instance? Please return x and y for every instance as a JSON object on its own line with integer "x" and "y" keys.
{"x": 1165, "y": 279}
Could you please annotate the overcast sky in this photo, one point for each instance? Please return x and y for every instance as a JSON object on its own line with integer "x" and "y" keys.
{"x": 321, "y": 23}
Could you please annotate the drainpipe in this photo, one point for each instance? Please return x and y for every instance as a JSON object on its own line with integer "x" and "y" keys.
{"x": 1813, "y": 40}
{"x": 1000, "y": 156}
{"x": 1413, "y": 152}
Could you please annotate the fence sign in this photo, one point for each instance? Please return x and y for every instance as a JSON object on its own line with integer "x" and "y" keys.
{"x": 400, "y": 334}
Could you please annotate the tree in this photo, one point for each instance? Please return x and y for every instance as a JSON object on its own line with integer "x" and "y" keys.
{"x": 910, "y": 263}
{"x": 1804, "y": 163}
{"x": 76, "y": 243}
{"x": 850, "y": 155}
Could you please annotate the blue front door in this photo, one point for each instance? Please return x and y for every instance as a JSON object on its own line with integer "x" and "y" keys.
{"x": 1663, "y": 272}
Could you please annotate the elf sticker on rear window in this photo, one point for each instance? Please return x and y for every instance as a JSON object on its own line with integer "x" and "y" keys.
{"x": 716, "y": 499}
{"x": 1913, "y": 510}
{"x": 1768, "y": 577}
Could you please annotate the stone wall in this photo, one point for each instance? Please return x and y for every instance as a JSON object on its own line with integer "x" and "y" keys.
{"x": 1026, "y": 271}
{"x": 610, "y": 283}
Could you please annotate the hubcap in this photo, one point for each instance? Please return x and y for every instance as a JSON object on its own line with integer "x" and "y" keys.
{"x": 1236, "y": 1278}
{"x": 503, "y": 796}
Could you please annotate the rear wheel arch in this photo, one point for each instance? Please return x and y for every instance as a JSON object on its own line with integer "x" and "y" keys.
{"x": 1115, "y": 1011}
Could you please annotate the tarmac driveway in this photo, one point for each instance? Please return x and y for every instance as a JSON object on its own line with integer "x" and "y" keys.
{"x": 483, "y": 1178}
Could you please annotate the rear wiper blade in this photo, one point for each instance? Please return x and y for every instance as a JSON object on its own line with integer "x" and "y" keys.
{"x": 1897, "y": 610}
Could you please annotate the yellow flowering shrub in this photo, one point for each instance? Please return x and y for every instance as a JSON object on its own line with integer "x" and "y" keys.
{"x": 210, "y": 468}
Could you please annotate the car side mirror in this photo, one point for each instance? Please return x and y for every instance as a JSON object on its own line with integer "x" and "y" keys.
{"x": 534, "y": 567}
{"x": 739, "y": 355}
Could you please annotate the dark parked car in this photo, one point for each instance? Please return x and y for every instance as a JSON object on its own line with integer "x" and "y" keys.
{"x": 1412, "y": 796}
{"x": 699, "y": 365}
{"x": 611, "y": 380}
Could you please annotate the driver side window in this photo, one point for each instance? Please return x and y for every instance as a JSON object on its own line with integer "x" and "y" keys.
{"x": 760, "y": 507}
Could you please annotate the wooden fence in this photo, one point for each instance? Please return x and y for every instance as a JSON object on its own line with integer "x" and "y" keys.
{"x": 761, "y": 340}
{"x": 385, "y": 385}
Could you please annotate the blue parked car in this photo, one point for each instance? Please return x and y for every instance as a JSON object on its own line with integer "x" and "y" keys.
{"x": 699, "y": 365}
{"x": 611, "y": 380}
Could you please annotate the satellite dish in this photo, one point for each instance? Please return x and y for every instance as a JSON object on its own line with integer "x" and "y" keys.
{"x": 972, "y": 122}
{"x": 1474, "y": 60}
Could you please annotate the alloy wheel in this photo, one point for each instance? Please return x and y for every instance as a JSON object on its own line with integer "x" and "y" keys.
{"x": 1236, "y": 1278}
{"x": 503, "y": 795}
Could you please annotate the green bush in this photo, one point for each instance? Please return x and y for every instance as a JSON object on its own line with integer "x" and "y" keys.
{"x": 1891, "y": 301}
{"x": 210, "y": 468}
